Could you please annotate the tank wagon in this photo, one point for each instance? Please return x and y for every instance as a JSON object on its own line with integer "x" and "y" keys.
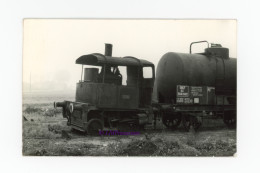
{"x": 187, "y": 88}
{"x": 190, "y": 87}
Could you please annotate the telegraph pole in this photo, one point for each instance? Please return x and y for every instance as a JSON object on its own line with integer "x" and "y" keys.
{"x": 30, "y": 83}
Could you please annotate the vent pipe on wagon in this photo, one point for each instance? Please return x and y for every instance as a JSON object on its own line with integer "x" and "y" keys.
{"x": 108, "y": 49}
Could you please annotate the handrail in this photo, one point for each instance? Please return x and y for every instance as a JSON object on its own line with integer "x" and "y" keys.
{"x": 204, "y": 41}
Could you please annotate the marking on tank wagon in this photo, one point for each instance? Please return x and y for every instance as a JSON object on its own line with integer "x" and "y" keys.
{"x": 182, "y": 91}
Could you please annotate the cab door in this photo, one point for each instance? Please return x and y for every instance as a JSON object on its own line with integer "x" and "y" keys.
{"x": 146, "y": 86}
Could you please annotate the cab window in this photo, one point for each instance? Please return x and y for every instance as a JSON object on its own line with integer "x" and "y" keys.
{"x": 147, "y": 72}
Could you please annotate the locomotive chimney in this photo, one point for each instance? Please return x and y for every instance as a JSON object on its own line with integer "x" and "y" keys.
{"x": 108, "y": 49}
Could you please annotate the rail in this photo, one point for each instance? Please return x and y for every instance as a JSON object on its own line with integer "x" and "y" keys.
{"x": 204, "y": 41}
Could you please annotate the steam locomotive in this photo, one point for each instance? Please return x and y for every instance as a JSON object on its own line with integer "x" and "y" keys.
{"x": 187, "y": 88}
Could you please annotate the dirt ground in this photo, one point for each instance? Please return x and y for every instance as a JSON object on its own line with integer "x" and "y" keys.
{"x": 45, "y": 133}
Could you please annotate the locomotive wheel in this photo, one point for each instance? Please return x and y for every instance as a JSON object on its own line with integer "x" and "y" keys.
{"x": 94, "y": 126}
{"x": 230, "y": 119}
{"x": 171, "y": 121}
{"x": 188, "y": 121}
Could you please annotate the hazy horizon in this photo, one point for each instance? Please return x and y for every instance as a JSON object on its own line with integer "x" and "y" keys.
{"x": 51, "y": 46}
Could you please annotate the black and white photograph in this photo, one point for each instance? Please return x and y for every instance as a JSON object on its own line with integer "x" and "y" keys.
{"x": 129, "y": 87}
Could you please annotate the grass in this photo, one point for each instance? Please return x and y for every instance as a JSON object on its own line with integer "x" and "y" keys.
{"x": 38, "y": 130}
{"x": 43, "y": 126}
{"x": 161, "y": 145}
{"x": 42, "y": 122}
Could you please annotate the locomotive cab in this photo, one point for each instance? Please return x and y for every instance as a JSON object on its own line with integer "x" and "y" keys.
{"x": 119, "y": 83}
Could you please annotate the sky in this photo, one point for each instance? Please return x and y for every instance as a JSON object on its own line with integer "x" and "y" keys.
{"x": 51, "y": 46}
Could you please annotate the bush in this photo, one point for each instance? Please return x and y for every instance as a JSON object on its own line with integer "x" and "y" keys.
{"x": 31, "y": 109}
{"x": 31, "y": 130}
{"x": 44, "y": 111}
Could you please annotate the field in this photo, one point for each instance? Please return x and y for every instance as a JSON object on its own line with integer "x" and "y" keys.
{"x": 45, "y": 133}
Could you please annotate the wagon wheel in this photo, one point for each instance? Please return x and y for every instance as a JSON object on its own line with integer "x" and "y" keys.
{"x": 94, "y": 126}
{"x": 188, "y": 120}
{"x": 230, "y": 119}
{"x": 171, "y": 121}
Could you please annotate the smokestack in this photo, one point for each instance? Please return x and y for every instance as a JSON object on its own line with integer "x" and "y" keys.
{"x": 108, "y": 49}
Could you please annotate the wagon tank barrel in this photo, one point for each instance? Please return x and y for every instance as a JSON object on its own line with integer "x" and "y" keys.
{"x": 212, "y": 68}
